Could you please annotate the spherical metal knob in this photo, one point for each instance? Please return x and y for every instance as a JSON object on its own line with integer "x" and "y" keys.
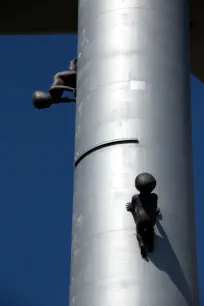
{"x": 41, "y": 99}
{"x": 145, "y": 182}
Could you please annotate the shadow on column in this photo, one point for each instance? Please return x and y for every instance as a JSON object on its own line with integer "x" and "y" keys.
{"x": 167, "y": 261}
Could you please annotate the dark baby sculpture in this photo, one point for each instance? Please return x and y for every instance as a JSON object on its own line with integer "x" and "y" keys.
{"x": 63, "y": 81}
{"x": 144, "y": 209}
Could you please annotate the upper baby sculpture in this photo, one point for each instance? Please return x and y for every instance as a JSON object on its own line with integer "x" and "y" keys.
{"x": 144, "y": 208}
{"x": 62, "y": 81}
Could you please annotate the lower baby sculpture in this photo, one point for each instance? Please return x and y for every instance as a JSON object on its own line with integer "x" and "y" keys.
{"x": 144, "y": 209}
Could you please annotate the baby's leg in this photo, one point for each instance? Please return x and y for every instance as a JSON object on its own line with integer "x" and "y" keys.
{"x": 150, "y": 239}
{"x": 69, "y": 78}
{"x": 64, "y": 78}
{"x": 140, "y": 239}
{"x": 56, "y": 93}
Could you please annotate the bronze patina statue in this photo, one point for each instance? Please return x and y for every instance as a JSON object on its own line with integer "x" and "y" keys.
{"x": 62, "y": 81}
{"x": 144, "y": 209}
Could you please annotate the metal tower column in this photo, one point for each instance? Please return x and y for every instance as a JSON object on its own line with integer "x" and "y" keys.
{"x": 133, "y": 116}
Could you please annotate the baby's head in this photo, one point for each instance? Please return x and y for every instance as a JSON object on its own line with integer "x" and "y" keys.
{"x": 145, "y": 183}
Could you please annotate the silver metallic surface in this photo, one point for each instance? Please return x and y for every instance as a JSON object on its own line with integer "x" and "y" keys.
{"x": 133, "y": 82}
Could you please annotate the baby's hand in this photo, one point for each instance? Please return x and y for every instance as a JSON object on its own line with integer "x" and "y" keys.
{"x": 129, "y": 207}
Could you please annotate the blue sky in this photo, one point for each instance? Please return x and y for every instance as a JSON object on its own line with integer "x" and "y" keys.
{"x": 36, "y": 173}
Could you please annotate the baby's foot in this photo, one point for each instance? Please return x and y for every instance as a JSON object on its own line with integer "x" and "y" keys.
{"x": 143, "y": 251}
